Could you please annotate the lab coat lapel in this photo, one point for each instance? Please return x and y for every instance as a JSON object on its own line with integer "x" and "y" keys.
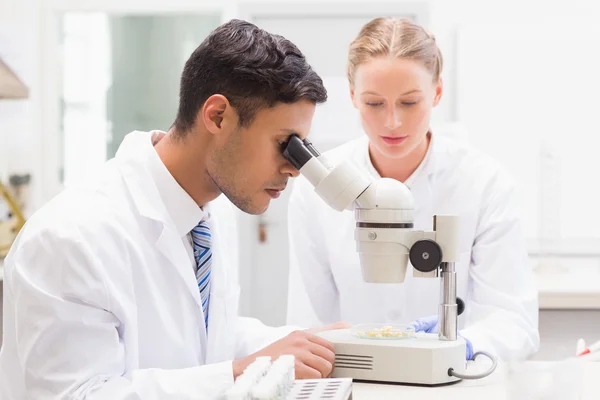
{"x": 171, "y": 246}
{"x": 422, "y": 194}
{"x": 421, "y": 190}
{"x": 223, "y": 302}
{"x": 422, "y": 187}
{"x": 133, "y": 165}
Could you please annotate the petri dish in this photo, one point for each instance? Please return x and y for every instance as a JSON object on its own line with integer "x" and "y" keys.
{"x": 383, "y": 331}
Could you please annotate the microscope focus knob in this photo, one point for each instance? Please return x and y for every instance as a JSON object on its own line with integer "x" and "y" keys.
{"x": 461, "y": 305}
{"x": 425, "y": 255}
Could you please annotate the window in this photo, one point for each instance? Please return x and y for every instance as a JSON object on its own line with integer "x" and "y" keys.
{"x": 120, "y": 73}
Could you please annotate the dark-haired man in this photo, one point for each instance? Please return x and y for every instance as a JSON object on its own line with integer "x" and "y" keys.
{"x": 126, "y": 288}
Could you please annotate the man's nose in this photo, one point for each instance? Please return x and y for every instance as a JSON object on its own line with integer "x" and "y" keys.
{"x": 289, "y": 169}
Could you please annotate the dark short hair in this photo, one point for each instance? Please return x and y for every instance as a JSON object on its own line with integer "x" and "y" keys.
{"x": 252, "y": 68}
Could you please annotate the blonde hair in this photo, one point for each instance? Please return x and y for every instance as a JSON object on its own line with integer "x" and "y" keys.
{"x": 398, "y": 38}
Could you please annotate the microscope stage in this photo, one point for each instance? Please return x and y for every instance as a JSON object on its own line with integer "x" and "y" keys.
{"x": 421, "y": 360}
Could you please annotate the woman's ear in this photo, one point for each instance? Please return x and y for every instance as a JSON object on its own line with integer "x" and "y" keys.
{"x": 439, "y": 90}
{"x": 352, "y": 97}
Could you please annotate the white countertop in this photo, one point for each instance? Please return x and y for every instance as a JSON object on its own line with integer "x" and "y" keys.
{"x": 569, "y": 279}
{"x": 501, "y": 385}
{"x": 568, "y": 290}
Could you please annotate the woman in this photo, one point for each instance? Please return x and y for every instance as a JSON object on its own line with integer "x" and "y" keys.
{"x": 394, "y": 71}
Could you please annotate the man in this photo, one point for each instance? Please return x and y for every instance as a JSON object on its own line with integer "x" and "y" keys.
{"x": 126, "y": 288}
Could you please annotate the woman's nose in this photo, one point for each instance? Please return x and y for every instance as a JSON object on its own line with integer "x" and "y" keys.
{"x": 392, "y": 120}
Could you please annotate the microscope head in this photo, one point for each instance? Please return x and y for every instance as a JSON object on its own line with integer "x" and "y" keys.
{"x": 384, "y": 222}
{"x": 383, "y": 210}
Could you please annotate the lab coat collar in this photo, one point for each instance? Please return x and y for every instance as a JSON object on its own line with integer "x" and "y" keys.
{"x": 178, "y": 208}
{"x": 433, "y": 159}
{"x": 132, "y": 158}
{"x": 181, "y": 208}
{"x": 420, "y": 182}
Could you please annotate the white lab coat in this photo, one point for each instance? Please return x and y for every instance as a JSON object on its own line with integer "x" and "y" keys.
{"x": 101, "y": 300}
{"x": 494, "y": 276}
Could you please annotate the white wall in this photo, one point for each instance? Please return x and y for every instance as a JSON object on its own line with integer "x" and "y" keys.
{"x": 20, "y": 38}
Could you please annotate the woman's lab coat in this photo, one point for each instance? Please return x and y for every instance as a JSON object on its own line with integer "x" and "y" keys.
{"x": 101, "y": 300}
{"x": 494, "y": 276}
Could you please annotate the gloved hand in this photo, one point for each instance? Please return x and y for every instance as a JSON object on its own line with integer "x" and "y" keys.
{"x": 430, "y": 325}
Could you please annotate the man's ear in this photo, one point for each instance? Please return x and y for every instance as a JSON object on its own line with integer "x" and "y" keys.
{"x": 217, "y": 113}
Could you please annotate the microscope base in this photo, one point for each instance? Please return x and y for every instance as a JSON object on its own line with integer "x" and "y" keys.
{"x": 423, "y": 360}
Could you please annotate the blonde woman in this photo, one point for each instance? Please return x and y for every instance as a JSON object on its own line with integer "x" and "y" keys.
{"x": 394, "y": 72}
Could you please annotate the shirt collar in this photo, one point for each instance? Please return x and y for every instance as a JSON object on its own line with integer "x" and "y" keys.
{"x": 181, "y": 208}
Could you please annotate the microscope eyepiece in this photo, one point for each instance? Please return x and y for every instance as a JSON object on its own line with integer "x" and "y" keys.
{"x": 297, "y": 152}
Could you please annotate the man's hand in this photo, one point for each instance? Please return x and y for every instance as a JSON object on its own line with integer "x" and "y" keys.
{"x": 314, "y": 355}
{"x": 430, "y": 325}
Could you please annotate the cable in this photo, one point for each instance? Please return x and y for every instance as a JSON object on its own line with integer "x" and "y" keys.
{"x": 451, "y": 371}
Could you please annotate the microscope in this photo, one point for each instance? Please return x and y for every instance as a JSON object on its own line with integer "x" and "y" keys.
{"x": 386, "y": 240}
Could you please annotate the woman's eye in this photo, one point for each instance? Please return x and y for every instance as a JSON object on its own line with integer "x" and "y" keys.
{"x": 374, "y": 104}
{"x": 409, "y": 103}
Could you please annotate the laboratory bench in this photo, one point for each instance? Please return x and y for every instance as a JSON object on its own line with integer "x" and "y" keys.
{"x": 504, "y": 384}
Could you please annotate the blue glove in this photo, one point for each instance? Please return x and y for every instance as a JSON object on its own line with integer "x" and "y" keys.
{"x": 430, "y": 325}
{"x": 427, "y": 324}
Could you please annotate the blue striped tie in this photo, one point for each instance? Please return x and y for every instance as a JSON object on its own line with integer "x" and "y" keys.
{"x": 203, "y": 254}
